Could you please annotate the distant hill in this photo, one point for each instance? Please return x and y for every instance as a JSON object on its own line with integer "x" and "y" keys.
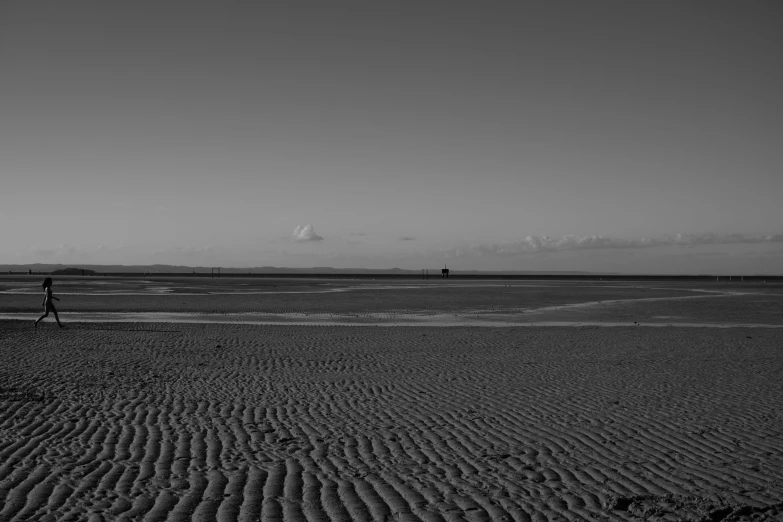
{"x": 179, "y": 269}
{"x": 73, "y": 271}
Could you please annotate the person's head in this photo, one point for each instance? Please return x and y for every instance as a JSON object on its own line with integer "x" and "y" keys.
{"x": 47, "y": 282}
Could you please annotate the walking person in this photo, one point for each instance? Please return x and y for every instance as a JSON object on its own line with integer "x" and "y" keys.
{"x": 47, "y": 303}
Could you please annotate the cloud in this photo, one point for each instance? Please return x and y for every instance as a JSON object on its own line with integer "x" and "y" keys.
{"x": 535, "y": 244}
{"x": 407, "y": 238}
{"x": 305, "y": 233}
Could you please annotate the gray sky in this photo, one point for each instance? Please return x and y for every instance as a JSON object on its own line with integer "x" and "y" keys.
{"x": 405, "y": 133}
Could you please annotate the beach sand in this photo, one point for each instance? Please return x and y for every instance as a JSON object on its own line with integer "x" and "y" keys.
{"x": 170, "y": 421}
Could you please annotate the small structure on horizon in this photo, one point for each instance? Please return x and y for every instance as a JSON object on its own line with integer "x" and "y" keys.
{"x": 444, "y": 272}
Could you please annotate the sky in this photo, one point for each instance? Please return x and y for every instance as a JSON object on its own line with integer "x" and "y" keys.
{"x": 610, "y": 136}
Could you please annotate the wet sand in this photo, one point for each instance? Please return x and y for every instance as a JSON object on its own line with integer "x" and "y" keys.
{"x": 175, "y": 421}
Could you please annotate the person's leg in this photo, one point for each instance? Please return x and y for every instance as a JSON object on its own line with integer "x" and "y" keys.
{"x": 45, "y": 314}
{"x": 56, "y": 317}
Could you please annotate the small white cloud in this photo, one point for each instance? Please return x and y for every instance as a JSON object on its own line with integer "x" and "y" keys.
{"x": 305, "y": 233}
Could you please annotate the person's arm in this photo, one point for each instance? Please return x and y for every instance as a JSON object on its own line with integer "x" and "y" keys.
{"x": 55, "y": 298}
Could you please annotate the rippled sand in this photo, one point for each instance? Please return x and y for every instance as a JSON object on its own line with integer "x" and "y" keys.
{"x": 168, "y": 421}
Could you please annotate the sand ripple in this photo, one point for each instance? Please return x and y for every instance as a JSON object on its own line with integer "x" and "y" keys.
{"x": 238, "y": 422}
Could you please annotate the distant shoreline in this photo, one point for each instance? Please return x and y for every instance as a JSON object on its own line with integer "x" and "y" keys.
{"x": 327, "y": 272}
{"x": 412, "y": 276}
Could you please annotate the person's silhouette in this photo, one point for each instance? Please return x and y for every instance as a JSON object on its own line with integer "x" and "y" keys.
{"x": 47, "y": 303}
